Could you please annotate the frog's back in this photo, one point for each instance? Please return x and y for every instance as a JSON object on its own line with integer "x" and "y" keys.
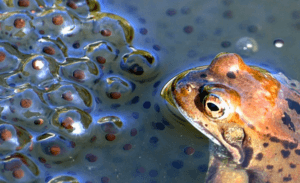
{"x": 280, "y": 155}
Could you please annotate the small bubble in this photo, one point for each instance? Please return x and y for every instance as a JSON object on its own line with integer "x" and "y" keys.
{"x": 2, "y": 56}
{"x": 79, "y": 74}
{"x": 18, "y": 174}
{"x": 6, "y": 135}
{"x": 100, "y": 60}
{"x": 37, "y": 64}
{"x": 25, "y": 103}
{"x": 58, "y": 20}
{"x": 246, "y": 46}
{"x": 67, "y": 123}
{"x": 106, "y": 32}
{"x": 278, "y": 43}
{"x": 49, "y": 50}
{"x": 55, "y": 150}
{"x": 19, "y": 23}
{"x": 23, "y": 3}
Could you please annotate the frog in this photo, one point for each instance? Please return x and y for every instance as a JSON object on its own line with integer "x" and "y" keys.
{"x": 251, "y": 118}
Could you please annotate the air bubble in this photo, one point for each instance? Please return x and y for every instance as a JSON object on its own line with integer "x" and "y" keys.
{"x": 246, "y": 46}
{"x": 278, "y": 43}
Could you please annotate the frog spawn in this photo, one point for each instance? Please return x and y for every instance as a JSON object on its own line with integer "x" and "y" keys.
{"x": 57, "y": 79}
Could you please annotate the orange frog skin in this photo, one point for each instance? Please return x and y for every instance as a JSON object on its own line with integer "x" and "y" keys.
{"x": 252, "y": 120}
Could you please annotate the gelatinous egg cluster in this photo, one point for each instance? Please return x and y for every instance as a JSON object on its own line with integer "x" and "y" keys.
{"x": 73, "y": 101}
{"x": 62, "y": 63}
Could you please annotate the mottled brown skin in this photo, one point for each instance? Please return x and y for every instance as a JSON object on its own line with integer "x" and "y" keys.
{"x": 249, "y": 113}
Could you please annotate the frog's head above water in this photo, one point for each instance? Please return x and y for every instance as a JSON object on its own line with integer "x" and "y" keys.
{"x": 236, "y": 106}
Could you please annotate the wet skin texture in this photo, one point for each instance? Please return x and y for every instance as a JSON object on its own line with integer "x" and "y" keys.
{"x": 251, "y": 119}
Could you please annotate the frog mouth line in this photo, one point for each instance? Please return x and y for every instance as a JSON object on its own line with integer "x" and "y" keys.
{"x": 197, "y": 125}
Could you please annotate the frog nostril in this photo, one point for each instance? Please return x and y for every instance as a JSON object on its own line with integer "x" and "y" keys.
{"x": 188, "y": 88}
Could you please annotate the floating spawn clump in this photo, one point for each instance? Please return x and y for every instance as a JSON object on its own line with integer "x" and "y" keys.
{"x": 66, "y": 72}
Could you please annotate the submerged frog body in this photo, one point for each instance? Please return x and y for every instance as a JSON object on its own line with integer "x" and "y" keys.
{"x": 250, "y": 117}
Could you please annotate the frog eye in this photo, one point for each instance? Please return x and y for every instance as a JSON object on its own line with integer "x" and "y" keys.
{"x": 214, "y": 106}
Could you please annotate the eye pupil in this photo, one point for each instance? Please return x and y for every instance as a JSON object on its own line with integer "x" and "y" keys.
{"x": 212, "y": 106}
